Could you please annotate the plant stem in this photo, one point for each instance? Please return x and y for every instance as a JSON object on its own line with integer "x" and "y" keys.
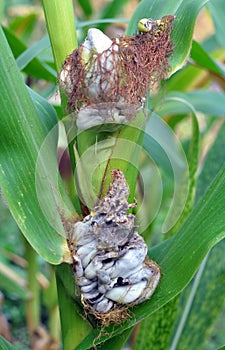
{"x": 61, "y": 28}
{"x": 54, "y": 324}
{"x": 32, "y": 303}
{"x": 60, "y": 21}
{"x": 51, "y": 302}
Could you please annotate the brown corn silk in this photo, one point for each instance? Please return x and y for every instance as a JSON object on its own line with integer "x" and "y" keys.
{"x": 136, "y": 63}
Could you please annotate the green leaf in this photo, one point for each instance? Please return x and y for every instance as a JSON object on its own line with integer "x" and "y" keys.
{"x": 185, "y": 79}
{"x": 154, "y": 331}
{"x": 36, "y": 206}
{"x": 205, "y": 101}
{"x": 86, "y": 7}
{"x": 116, "y": 342}
{"x": 110, "y": 10}
{"x": 34, "y": 68}
{"x": 5, "y": 345}
{"x": 187, "y": 185}
{"x": 201, "y": 57}
{"x": 185, "y": 11}
{"x": 95, "y": 22}
{"x": 156, "y": 151}
{"x": 11, "y": 281}
{"x": 203, "y": 300}
{"x": 216, "y": 8}
{"x": 28, "y": 55}
{"x": 2, "y": 10}
{"x": 177, "y": 168}
{"x": 23, "y": 26}
{"x": 202, "y": 230}
{"x": 213, "y": 163}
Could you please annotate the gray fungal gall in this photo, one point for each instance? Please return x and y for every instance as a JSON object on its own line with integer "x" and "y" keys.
{"x": 110, "y": 260}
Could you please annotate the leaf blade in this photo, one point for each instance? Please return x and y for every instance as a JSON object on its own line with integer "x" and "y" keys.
{"x": 204, "y": 298}
{"x": 22, "y": 135}
{"x": 35, "y": 68}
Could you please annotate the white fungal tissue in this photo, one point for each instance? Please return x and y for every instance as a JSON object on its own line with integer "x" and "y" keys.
{"x": 110, "y": 258}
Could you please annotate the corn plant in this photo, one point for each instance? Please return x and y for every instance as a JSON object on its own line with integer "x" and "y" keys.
{"x": 160, "y": 133}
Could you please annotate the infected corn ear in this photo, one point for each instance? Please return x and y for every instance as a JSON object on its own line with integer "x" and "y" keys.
{"x": 110, "y": 260}
{"x": 116, "y": 73}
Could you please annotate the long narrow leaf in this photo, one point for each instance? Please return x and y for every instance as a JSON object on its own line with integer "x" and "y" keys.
{"x": 33, "y": 68}
{"x": 200, "y": 99}
{"x": 188, "y": 182}
{"x": 203, "y": 302}
{"x": 201, "y": 57}
{"x": 86, "y": 7}
{"x": 154, "y": 331}
{"x": 204, "y": 298}
{"x": 216, "y": 8}
{"x": 111, "y": 10}
{"x": 28, "y": 55}
{"x": 12, "y": 282}
{"x": 22, "y": 133}
{"x": 167, "y": 140}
